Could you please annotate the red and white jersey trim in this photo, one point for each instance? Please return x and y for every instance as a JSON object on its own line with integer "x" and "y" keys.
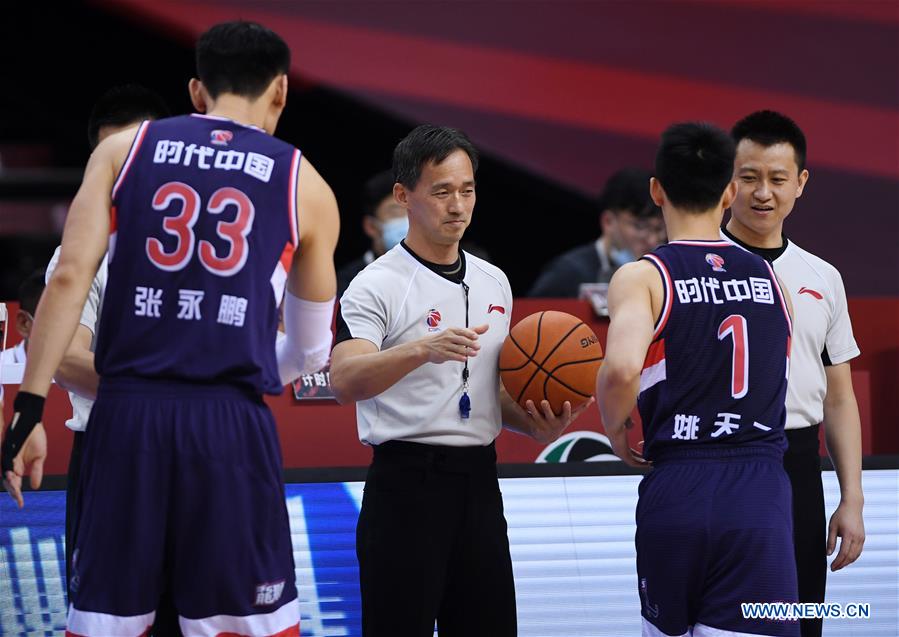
{"x": 706, "y": 244}
{"x": 292, "y": 196}
{"x": 780, "y": 295}
{"x": 654, "y": 368}
{"x": 668, "y": 301}
{"x": 82, "y": 623}
{"x": 283, "y": 622}
{"x": 279, "y": 276}
{"x": 135, "y": 146}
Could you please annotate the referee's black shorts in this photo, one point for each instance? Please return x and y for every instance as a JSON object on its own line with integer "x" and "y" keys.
{"x": 432, "y": 544}
{"x": 802, "y": 463}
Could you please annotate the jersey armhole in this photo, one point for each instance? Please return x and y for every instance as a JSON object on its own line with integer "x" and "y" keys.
{"x": 129, "y": 159}
{"x": 665, "y": 313}
{"x": 292, "y": 197}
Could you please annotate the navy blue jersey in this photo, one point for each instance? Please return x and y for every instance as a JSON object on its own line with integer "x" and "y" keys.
{"x": 716, "y": 372}
{"x": 204, "y": 213}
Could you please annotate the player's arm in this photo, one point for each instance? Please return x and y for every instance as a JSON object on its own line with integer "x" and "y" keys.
{"x": 312, "y": 281}
{"x": 542, "y": 425}
{"x": 84, "y": 243}
{"x": 631, "y": 329}
{"x": 76, "y": 372}
{"x": 842, "y": 431}
{"x": 359, "y": 370}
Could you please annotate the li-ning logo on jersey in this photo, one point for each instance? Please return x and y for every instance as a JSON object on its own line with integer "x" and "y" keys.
{"x": 716, "y": 261}
{"x": 811, "y": 292}
{"x": 269, "y": 593}
{"x": 433, "y": 320}
{"x": 496, "y": 308}
{"x": 220, "y": 137}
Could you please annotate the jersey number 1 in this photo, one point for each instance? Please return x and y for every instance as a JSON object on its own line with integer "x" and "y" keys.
{"x": 182, "y": 227}
{"x": 735, "y": 326}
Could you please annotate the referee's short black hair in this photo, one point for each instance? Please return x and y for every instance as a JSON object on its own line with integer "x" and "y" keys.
{"x": 428, "y": 144}
{"x": 123, "y": 105}
{"x": 768, "y": 128}
{"x": 695, "y": 164}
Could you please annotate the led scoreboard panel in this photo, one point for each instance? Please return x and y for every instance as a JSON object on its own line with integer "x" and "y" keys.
{"x": 572, "y": 544}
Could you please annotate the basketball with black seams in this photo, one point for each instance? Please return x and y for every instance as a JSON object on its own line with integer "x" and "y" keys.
{"x": 550, "y": 356}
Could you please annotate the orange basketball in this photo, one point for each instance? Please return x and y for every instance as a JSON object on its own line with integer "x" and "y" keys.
{"x": 553, "y": 356}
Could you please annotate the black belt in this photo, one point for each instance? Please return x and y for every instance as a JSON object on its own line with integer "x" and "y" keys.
{"x": 436, "y": 455}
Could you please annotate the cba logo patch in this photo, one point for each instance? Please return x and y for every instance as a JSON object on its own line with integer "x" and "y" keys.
{"x": 433, "y": 320}
{"x": 267, "y": 594}
{"x": 496, "y": 308}
{"x": 220, "y": 137}
{"x": 716, "y": 261}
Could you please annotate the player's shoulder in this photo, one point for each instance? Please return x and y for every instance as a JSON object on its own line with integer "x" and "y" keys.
{"x": 390, "y": 269}
{"x": 797, "y": 261}
{"x": 637, "y": 274}
{"x": 486, "y": 269}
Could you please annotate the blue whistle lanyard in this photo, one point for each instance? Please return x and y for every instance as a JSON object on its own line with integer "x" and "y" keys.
{"x": 465, "y": 401}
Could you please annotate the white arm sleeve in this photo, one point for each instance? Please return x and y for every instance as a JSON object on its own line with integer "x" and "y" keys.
{"x": 306, "y": 344}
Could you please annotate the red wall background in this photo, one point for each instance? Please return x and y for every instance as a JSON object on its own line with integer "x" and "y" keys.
{"x": 323, "y": 434}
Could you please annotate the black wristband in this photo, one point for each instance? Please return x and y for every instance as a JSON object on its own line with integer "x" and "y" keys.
{"x": 29, "y": 410}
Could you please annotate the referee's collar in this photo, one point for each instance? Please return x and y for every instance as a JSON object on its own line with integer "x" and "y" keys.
{"x": 455, "y": 272}
{"x": 768, "y": 254}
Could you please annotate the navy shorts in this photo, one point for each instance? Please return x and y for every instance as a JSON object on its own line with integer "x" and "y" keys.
{"x": 713, "y": 532}
{"x": 181, "y": 484}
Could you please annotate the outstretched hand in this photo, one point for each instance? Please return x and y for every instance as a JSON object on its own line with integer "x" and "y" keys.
{"x": 547, "y": 426}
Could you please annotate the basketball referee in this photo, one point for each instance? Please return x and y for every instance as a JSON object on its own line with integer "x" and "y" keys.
{"x": 770, "y": 173}
{"x": 419, "y": 335}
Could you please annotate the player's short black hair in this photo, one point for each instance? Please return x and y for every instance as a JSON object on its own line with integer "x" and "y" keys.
{"x": 30, "y": 290}
{"x": 628, "y": 189}
{"x": 123, "y": 105}
{"x": 427, "y": 144}
{"x": 376, "y": 189}
{"x": 694, "y": 164}
{"x": 240, "y": 58}
{"x": 769, "y": 128}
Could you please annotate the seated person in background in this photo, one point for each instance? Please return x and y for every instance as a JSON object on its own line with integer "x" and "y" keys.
{"x": 383, "y": 220}
{"x": 29, "y": 294}
{"x": 631, "y": 226}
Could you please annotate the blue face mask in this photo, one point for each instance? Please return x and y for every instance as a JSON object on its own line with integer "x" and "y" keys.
{"x": 393, "y": 231}
{"x": 620, "y": 256}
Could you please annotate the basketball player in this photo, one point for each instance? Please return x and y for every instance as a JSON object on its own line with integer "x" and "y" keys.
{"x": 699, "y": 337}
{"x": 118, "y": 109}
{"x": 419, "y": 336}
{"x": 771, "y": 175}
{"x": 181, "y": 460}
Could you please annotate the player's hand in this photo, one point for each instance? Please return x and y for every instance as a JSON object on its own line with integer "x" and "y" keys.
{"x": 847, "y": 524}
{"x": 24, "y": 446}
{"x": 30, "y": 462}
{"x": 630, "y": 457}
{"x": 547, "y": 426}
{"x": 454, "y": 344}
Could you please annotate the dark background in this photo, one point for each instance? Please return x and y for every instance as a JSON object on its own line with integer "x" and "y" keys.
{"x": 557, "y": 96}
